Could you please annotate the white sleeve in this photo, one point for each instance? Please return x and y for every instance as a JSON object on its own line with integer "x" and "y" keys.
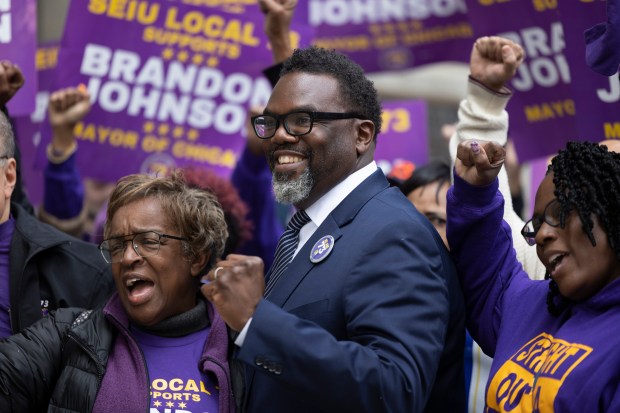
{"x": 244, "y": 332}
{"x": 482, "y": 116}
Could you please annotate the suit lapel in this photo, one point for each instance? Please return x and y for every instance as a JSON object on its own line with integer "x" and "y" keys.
{"x": 301, "y": 265}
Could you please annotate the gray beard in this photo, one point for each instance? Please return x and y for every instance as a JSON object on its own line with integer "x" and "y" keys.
{"x": 292, "y": 191}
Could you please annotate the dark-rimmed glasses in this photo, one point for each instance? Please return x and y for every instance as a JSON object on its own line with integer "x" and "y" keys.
{"x": 550, "y": 215}
{"x": 295, "y": 123}
{"x": 145, "y": 244}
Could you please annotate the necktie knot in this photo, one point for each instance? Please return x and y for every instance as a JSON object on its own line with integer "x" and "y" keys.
{"x": 300, "y": 219}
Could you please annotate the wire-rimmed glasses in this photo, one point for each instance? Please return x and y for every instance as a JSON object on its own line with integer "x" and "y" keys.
{"x": 145, "y": 244}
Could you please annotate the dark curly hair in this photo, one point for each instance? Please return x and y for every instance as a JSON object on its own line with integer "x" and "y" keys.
{"x": 586, "y": 177}
{"x": 434, "y": 171}
{"x": 356, "y": 89}
{"x": 240, "y": 228}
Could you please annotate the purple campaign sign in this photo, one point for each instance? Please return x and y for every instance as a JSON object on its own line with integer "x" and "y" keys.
{"x": 170, "y": 84}
{"x": 28, "y": 128}
{"x": 403, "y": 142}
{"x": 542, "y": 110}
{"x": 28, "y": 135}
{"x": 391, "y": 35}
{"x": 18, "y": 40}
{"x": 301, "y": 33}
{"x": 597, "y": 97}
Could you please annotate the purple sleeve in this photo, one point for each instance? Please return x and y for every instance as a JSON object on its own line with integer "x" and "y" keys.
{"x": 63, "y": 190}
{"x": 481, "y": 247}
{"x": 252, "y": 178}
{"x": 602, "y": 51}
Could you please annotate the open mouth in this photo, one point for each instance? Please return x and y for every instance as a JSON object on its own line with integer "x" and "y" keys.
{"x": 555, "y": 262}
{"x": 138, "y": 289}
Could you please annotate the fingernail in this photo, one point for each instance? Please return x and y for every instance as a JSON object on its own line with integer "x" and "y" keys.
{"x": 475, "y": 147}
{"x": 205, "y": 281}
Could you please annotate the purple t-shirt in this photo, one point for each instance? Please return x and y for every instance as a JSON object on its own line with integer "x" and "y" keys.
{"x": 6, "y": 235}
{"x": 177, "y": 384}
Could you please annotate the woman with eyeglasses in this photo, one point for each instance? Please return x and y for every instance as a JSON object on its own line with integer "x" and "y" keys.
{"x": 157, "y": 344}
{"x": 555, "y": 341}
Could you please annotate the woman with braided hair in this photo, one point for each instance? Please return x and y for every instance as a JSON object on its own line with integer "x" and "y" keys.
{"x": 555, "y": 341}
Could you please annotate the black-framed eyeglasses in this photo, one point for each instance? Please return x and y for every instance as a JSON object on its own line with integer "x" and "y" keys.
{"x": 550, "y": 215}
{"x": 295, "y": 123}
{"x": 145, "y": 244}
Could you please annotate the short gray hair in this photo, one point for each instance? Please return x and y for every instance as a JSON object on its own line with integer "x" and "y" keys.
{"x": 7, "y": 137}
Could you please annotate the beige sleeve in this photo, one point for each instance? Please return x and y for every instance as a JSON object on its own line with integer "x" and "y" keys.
{"x": 482, "y": 116}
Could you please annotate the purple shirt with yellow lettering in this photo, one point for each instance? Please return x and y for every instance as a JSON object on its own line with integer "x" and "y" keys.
{"x": 542, "y": 363}
{"x": 177, "y": 384}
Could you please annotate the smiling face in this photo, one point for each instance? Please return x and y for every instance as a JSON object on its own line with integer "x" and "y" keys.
{"x": 306, "y": 167}
{"x": 579, "y": 268}
{"x": 155, "y": 288}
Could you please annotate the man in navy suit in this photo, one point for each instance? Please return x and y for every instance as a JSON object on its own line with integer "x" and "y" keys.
{"x": 368, "y": 316}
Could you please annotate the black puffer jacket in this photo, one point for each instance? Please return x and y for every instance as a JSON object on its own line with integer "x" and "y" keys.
{"x": 58, "y": 335}
{"x": 50, "y": 269}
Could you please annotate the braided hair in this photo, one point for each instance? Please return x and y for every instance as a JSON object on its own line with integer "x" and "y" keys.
{"x": 586, "y": 177}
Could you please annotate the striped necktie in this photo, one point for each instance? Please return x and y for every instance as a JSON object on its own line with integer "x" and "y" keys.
{"x": 286, "y": 248}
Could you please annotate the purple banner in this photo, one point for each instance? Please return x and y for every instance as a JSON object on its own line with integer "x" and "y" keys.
{"x": 28, "y": 135}
{"x": 28, "y": 128}
{"x": 18, "y": 43}
{"x": 597, "y": 97}
{"x": 402, "y": 144}
{"x": 542, "y": 110}
{"x": 538, "y": 170}
{"x": 390, "y": 35}
{"x": 301, "y": 33}
{"x": 170, "y": 84}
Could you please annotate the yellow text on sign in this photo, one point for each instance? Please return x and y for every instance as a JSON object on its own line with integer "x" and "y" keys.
{"x": 115, "y": 137}
{"x": 397, "y": 120}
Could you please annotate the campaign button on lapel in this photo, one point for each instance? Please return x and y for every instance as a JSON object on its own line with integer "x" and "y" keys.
{"x": 322, "y": 249}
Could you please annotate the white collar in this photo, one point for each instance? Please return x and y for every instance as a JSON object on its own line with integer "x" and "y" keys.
{"x": 328, "y": 202}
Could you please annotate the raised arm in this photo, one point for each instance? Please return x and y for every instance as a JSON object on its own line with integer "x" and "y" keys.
{"x": 11, "y": 80}
{"x": 278, "y": 16}
{"x": 480, "y": 240}
{"x": 277, "y": 26}
{"x": 63, "y": 201}
{"x": 482, "y": 116}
